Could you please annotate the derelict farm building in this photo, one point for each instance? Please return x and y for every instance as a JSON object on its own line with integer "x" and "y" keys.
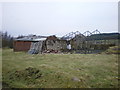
{"x": 78, "y": 42}
{"x": 34, "y": 44}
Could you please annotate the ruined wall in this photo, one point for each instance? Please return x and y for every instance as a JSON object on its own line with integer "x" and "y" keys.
{"x": 53, "y": 43}
{"x": 78, "y": 42}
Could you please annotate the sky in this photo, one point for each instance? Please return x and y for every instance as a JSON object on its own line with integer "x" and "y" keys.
{"x": 58, "y": 18}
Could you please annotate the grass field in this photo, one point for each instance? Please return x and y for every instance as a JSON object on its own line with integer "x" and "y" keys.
{"x": 21, "y": 70}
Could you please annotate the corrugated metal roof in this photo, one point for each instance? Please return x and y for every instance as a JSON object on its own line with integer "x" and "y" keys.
{"x": 30, "y": 39}
{"x": 40, "y": 39}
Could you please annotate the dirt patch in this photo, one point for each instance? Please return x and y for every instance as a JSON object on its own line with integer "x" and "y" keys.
{"x": 28, "y": 73}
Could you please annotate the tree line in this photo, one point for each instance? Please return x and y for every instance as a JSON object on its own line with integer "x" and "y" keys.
{"x": 6, "y": 40}
{"x": 104, "y": 36}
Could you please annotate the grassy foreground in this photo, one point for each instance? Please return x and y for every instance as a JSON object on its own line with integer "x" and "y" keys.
{"x": 21, "y": 70}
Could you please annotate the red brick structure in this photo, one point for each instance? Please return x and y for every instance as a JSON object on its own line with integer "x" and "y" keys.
{"x": 25, "y": 43}
{"x": 22, "y": 45}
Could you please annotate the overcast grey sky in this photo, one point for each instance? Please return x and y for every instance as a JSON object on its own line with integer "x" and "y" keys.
{"x": 53, "y": 18}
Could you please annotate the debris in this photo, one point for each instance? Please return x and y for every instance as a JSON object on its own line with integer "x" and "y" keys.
{"x": 28, "y": 73}
{"x": 76, "y": 79}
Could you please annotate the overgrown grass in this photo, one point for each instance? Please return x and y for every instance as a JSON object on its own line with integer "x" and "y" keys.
{"x": 60, "y": 70}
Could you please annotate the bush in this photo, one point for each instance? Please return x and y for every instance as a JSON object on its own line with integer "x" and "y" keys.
{"x": 113, "y": 50}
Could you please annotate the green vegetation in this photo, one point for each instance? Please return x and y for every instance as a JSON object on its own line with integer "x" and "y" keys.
{"x": 113, "y": 50}
{"x": 104, "y": 36}
{"x": 21, "y": 70}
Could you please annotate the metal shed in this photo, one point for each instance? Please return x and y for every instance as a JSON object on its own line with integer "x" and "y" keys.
{"x": 24, "y": 44}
